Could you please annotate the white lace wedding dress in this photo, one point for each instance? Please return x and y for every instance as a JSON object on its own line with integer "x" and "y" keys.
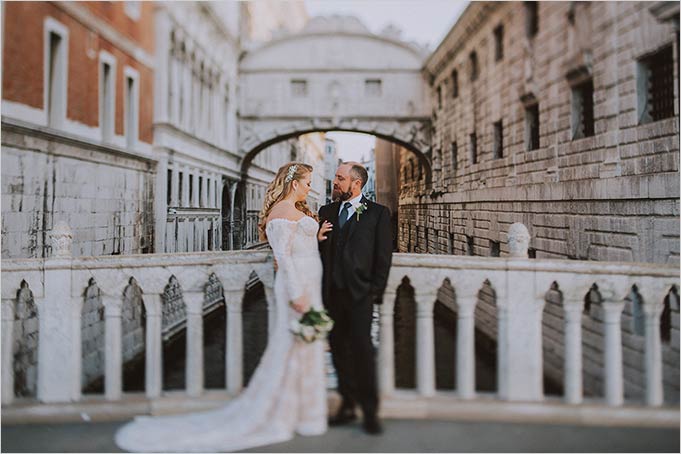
{"x": 287, "y": 392}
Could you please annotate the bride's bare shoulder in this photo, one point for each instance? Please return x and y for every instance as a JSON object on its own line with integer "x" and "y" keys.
{"x": 286, "y": 212}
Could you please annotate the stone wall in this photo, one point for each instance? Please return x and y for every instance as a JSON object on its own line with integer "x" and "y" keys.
{"x": 107, "y": 199}
{"x": 610, "y": 196}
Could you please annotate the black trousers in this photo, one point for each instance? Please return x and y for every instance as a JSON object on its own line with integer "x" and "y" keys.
{"x": 353, "y": 353}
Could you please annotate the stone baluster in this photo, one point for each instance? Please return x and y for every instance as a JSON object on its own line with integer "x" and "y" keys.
{"x": 59, "y": 340}
{"x": 234, "y": 351}
{"x": 465, "y": 346}
{"x": 425, "y": 342}
{"x": 184, "y": 197}
{"x": 502, "y": 351}
{"x": 154, "y": 346}
{"x": 7, "y": 353}
{"x": 113, "y": 347}
{"x": 614, "y": 385}
{"x": 194, "y": 362}
{"x": 653, "y": 304}
{"x": 386, "y": 346}
{"x": 573, "y": 308}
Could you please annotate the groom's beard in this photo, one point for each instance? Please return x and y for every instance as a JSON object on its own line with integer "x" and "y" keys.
{"x": 341, "y": 196}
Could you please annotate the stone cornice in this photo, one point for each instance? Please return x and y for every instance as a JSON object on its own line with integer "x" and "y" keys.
{"x": 50, "y": 134}
{"x": 475, "y": 14}
{"x": 303, "y": 36}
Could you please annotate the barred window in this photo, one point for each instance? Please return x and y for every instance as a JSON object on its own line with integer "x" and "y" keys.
{"x": 299, "y": 88}
{"x": 655, "y": 86}
{"x": 494, "y": 249}
{"x": 439, "y": 97}
{"x": 532, "y": 127}
{"x": 583, "y": 110}
{"x": 499, "y": 43}
{"x": 373, "y": 87}
{"x": 473, "y": 148}
{"x": 531, "y": 19}
{"x": 455, "y": 84}
{"x": 473, "y": 58}
{"x": 498, "y": 151}
{"x": 455, "y": 156}
{"x": 470, "y": 245}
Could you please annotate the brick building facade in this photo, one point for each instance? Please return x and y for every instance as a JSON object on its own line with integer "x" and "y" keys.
{"x": 76, "y": 131}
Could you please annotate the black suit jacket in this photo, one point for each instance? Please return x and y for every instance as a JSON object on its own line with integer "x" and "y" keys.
{"x": 367, "y": 254}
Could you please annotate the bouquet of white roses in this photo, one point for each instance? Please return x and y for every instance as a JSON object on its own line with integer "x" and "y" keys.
{"x": 313, "y": 325}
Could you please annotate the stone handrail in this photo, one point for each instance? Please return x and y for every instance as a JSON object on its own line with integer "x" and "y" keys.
{"x": 520, "y": 284}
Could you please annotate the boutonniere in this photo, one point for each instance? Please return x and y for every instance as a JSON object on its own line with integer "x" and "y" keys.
{"x": 359, "y": 209}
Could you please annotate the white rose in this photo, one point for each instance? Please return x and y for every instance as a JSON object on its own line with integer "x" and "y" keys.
{"x": 295, "y": 326}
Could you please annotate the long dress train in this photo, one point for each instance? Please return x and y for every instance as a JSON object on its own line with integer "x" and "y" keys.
{"x": 287, "y": 392}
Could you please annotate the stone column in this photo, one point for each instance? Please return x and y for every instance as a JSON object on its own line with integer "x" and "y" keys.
{"x": 184, "y": 197}
{"x": 7, "y": 351}
{"x": 614, "y": 386}
{"x": 652, "y": 310}
{"x": 425, "y": 343}
{"x": 465, "y": 346}
{"x": 175, "y": 186}
{"x": 161, "y": 202}
{"x": 573, "y": 350}
{"x": 195, "y": 189}
{"x": 57, "y": 369}
{"x": 234, "y": 352}
{"x": 211, "y": 192}
{"x": 194, "y": 361}
{"x": 386, "y": 346}
{"x": 113, "y": 348}
{"x": 204, "y": 193}
{"x": 154, "y": 346}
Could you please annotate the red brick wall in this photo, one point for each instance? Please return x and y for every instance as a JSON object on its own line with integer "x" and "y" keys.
{"x": 24, "y": 52}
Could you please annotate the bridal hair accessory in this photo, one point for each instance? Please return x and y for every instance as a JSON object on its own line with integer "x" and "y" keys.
{"x": 291, "y": 171}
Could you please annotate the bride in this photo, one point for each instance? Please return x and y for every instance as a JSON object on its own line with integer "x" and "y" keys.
{"x": 287, "y": 393}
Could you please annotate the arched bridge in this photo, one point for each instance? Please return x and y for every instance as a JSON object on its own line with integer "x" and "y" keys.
{"x": 333, "y": 75}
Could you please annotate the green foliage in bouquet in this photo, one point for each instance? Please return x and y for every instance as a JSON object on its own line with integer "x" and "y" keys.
{"x": 313, "y": 325}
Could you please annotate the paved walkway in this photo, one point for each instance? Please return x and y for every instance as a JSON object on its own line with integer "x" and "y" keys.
{"x": 400, "y": 436}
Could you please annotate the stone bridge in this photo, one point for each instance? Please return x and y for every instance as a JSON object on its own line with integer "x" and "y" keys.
{"x": 333, "y": 75}
{"x": 523, "y": 288}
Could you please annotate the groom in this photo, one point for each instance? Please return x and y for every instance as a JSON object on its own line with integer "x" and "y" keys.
{"x": 356, "y": 255}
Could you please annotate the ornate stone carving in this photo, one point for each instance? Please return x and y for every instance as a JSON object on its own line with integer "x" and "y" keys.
{"x": 518, "y": 240}
{"x": 62, "y": 239}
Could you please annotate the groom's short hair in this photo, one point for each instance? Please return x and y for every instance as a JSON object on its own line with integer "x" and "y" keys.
{"x": 358, "y": 172}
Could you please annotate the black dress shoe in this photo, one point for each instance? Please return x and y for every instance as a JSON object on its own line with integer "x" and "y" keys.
{"x": 345, "y": 415}
{"x": 372, "y": 426}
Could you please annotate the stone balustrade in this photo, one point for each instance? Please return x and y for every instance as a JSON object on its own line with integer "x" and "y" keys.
{"x": 520, "y": 284}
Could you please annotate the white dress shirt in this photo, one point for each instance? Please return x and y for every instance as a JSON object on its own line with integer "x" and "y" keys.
{"x": 354, "y": 203}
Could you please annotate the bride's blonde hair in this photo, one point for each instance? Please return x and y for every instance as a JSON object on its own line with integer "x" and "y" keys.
{"x": 280, "y": 188}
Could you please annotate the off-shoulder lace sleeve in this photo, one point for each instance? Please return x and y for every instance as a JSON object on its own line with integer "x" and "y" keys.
{"x": 280, "y": 233}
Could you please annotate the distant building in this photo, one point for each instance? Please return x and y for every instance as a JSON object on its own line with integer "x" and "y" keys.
{"x": 330, "y": 166}
{"x": 561, "y": 115}
{"x": 369, "y": 164}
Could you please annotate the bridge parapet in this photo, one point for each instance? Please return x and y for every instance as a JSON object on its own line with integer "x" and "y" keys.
{"x": 522, "y": 286}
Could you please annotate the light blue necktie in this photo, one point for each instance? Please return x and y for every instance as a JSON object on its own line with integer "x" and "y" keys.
{"x": 343, "y": 217}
